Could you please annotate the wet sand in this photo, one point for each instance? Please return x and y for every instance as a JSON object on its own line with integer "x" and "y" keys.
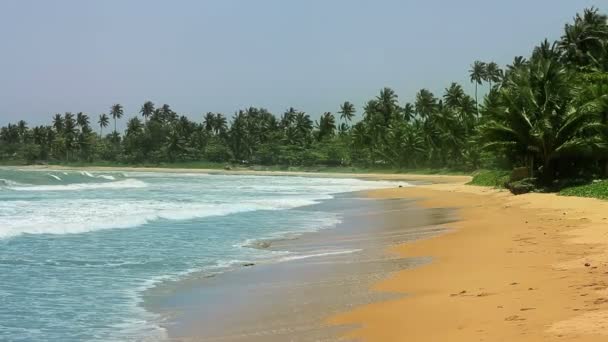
{"x": 289, "y": 301}
{"x": 515, "y": 268}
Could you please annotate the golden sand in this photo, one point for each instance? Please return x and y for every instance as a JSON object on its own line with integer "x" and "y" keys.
{"x": 514, "y": 268}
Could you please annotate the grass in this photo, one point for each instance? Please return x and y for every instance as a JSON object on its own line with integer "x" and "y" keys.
{"x": 597, "y": 189}
{"x": 493, "y": 178}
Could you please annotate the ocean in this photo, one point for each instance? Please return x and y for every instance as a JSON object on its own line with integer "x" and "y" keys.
{"x": 79, "y": 249}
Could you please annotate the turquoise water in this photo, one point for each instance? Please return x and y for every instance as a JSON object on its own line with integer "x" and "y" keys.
{"x": 78, "y": 249}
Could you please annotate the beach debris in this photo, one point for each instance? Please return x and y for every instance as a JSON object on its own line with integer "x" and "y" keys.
{"x": 587, "y": 264}
{"x": 514, "y": 283}
{"x": 248, "y": 264}
{"x": 527, "y": 309}
{"x": 514, "y": 318}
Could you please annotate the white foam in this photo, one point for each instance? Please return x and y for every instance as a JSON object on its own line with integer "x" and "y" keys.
{"x": 124, "y": 184}
{"x": 53, "y": 176}
{"x": 316, "y": 255}
{"x": 88, "y": 174}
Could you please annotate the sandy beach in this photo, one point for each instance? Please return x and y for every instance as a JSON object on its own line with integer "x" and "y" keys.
{"x": 514, "y": 268}
{"x": 511, "y": 268}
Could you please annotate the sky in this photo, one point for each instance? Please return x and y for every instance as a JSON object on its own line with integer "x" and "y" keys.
{"x": 219, "y": 56}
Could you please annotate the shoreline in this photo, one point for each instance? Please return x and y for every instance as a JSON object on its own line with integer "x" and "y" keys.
{"x": 436, "y": 179}
{"x": 514, "y": 268}
{"x": 289, "y": 299}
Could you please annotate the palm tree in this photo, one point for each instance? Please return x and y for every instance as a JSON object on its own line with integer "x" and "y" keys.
{"x": 146, "y": 110}
{"x": 220, "y": 124}
{"x": 82, "y": 120}
{"x": 425, "y": 104}
{"x": 326, "y": 125}
{"x": 116, "y": 112}
{"x": 387, "y": 104}
{"x": 453, "y": 96}
{"x": 584, "y": 41}
{"x": 493, "y": 73}
{"x": 58, "y": 123}
{"x": 347, "y": 111}
{"x": 408, "y": 111}
{"x": 477, "y": 74}
{"x": 208, "y": 121}
{"x": 103, "y": 122}
{"x": 22, "y": 130}
{"x": 539, "y": 119}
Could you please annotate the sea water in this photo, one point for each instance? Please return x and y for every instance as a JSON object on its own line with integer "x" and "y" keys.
{"x": 78, "y": 249}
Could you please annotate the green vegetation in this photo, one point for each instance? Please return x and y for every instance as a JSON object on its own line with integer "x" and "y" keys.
{"x": 496, "y": 179}
{"x": 546, "y": 114}
{"x": 598, "y": 189}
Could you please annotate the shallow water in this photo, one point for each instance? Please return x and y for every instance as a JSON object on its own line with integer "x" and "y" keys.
{"x": 78, "y": 249}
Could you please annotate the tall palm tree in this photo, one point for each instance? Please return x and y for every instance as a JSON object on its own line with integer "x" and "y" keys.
{"x": 477, "y": 74}
{"x": 408, "y": 111}
{"x": 347, "y": 111}
{"x": 58, "y": 123}
{"x": 82, "y": 120}
{"x": 103, "y": 122}
{"x": 493, "y": 73}
{"x": 208, "y": 121}
{"x": 453, "y": 96}
{"x": 146, "y": 110}
{"x": 326, "y": 125}
{"x": 425, "y": 103}
{"x": 116, "y": 111}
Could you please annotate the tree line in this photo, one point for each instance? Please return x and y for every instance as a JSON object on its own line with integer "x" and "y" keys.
{"x": 547, "y": 112}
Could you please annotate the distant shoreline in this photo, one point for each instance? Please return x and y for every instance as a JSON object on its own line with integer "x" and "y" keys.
{"x": 434, "y": 178}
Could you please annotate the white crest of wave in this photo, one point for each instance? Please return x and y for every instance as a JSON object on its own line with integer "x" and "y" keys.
{"x": 53, "y": 176}
{"x": 123, "y": 184}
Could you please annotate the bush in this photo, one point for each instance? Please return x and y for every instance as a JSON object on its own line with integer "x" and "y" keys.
{"x": 597, "y": 189}
{"x": 495, "y": 178}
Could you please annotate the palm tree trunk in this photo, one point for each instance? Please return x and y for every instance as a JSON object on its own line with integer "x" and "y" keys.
{"x": 476, "y": 102}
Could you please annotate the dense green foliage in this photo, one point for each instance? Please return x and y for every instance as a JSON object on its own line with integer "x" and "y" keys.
{"x": 597, "y": 189}
{"x": 547, "y": 112}
{"x": 491, "y": 178}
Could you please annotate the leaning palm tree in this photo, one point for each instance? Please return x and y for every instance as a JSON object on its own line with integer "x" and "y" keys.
{"x": 116, "y": 112}
{"x": 477, "y": 74}
{"x": 146, "y": 110}
{"x": 103, "y": 122}
{"x": 347, "y": 111}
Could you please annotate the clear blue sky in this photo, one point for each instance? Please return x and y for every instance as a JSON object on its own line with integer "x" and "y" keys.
{"x": 222, "y": 55}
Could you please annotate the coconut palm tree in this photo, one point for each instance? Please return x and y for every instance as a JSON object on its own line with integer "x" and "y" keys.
{"x": 326, "y": 125}
{"x": 453, "y": 96}
{"x": 408, "y": 111}
{"x": 347, "y": 111}
{"x": 146, "y": 110}
{"x": 58, "y": 123}
{"x": 493, "y": 73}
{"x": 103, "y": 122}
{"x": 477, "y": 74}
{"x": 425, "y": 103}
{"x": 539, "y": 120}
{"x": 116, "y": 111}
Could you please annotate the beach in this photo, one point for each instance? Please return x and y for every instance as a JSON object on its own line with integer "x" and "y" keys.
{"x": 514, "y": 268}
{"x": 439, "y": 261}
